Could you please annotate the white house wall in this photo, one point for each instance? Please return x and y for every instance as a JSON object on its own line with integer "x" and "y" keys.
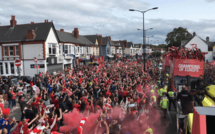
{"x": 28, "y": 71}
{"x": 209, "y": 56}
{"x": 51, "y": 39}
{"x": 200, "y": 44}
{"x": 9, "y": 68}
{"x": 32, "y": 50}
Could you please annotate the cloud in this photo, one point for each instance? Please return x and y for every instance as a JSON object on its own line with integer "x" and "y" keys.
{"x": 109, "y": 18}
{"x": 210, "y": 0}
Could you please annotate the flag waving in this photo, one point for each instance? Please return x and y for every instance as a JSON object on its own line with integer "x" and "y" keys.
{"x": 140, "y": 90}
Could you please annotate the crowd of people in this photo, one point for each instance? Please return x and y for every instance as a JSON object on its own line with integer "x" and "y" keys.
{"x": 116, "y": 97}
{"x": 185, "y": 53}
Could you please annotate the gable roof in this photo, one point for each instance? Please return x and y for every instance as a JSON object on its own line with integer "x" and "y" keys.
{"x": 104, "y": 41}
{"x": 91, "y": 38}
{"x": 129, "y": 44}
{"x": 67, "y": 37}
{"x": 185, "y": 42}
{"x": 18, "y": 33}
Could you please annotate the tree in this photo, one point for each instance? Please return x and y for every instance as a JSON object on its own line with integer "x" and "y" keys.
{"x": 175, "y": 37}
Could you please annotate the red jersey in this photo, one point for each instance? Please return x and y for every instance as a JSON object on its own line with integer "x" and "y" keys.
{"x": 55, "y": 125}
{"x": 13, "y": 95}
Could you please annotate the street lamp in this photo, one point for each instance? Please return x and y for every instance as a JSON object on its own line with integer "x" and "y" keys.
{"x": 145, "y": 29}
{"x": 148, "y": 38}
{"x": 144, "y": 40}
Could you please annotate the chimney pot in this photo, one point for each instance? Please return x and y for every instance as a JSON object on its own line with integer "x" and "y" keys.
{"x": 207, "y": 39}
{"x": 30, "y": 35}
{"x": 194, "y": 34}
{"x": 46, "y": 21}
{"x": 62, "y": 30}
{"x": 32, "y": 22}
{"x": 100, "y": 39}
{"x": 12, "y": 21}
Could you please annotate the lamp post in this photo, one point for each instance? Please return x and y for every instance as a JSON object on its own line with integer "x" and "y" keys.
{"x": 148, "y": 38}
{"x": 144, "y": 40}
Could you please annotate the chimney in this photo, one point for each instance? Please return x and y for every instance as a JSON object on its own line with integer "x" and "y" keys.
{"x": 46, "y": 21}
{"x": 32, "y": 22}
{"x": 76, "y": 33}
{"x": 207, "y": 39}
{"x": 30, "y": 35}
{"x": 62, "y": 30}
{"x": 109, "y": 37}
{"x": 194, "y": 34}
{"x": 12, "y": 21}
{"x": 100, "y": 39}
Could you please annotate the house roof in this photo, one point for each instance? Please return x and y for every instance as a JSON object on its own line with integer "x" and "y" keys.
{"x": 112, "y": 43}
{"x": 67, "y": 37}
{"x": 185, "y": 42}
{"x": 18, "y": 33}
{"x": 104, "y": 41}
{"x": 129, "y": 44}
{"x": 210, "y": 47}
{"x": 91, "y": 38}
{"x": 84, "y": 40}
{"x": 137, "y": 46}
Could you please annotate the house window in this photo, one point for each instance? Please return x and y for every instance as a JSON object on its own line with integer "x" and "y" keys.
{"x": 52, "y": 48}
{"x": 60, "y": 49}
{"x": 66, "y": 49}
{"x": 131, "y": 51}
{"x": 11, "y": 50}
{"x": 5, "y": 51}
{"x": 12, "y": 68}
{"x": 17, "y": 50}
{"x": 72, "y": 50}
{"x": 1, "y": 68}
{"x": 6, "y": 68}
{"x": 80, "y": 50}
{"x": 97, "y": 50}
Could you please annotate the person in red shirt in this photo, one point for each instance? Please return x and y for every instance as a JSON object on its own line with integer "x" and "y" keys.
{"x": 35, "y": 103}
{"x": 13, "y": 99}
{"x": 22, "y": 127}
{"x": 51, "y": 119}
{"x": 52, "y": 96}
{"x": 56, "y": 102}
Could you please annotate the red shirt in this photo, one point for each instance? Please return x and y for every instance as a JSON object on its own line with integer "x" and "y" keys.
{"x": 36, "y": 104}
{"x": 55, "y": 125}
{"x": 56, "y": 103}
{"x": 13, "y": 95}
{"x": 125, "y": 93}
{"x": 52, "y": 97}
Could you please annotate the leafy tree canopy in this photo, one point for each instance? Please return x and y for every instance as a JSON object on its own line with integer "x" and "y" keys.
{"x": 175, "y": 37}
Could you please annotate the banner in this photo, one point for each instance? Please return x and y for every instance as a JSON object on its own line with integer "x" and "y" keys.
{"x": 36, "y": 89}
{"x": 184, "y": 67}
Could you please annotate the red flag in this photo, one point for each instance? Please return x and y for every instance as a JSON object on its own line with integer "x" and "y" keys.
{"x": 68, "y": 92}
{"x": 80, "y": 73}
{"x": 139, "y": 89}
{"x": 97, "y": 71}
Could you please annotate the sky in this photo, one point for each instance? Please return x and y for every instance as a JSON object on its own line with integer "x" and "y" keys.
{"x": 113, "y": 18}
